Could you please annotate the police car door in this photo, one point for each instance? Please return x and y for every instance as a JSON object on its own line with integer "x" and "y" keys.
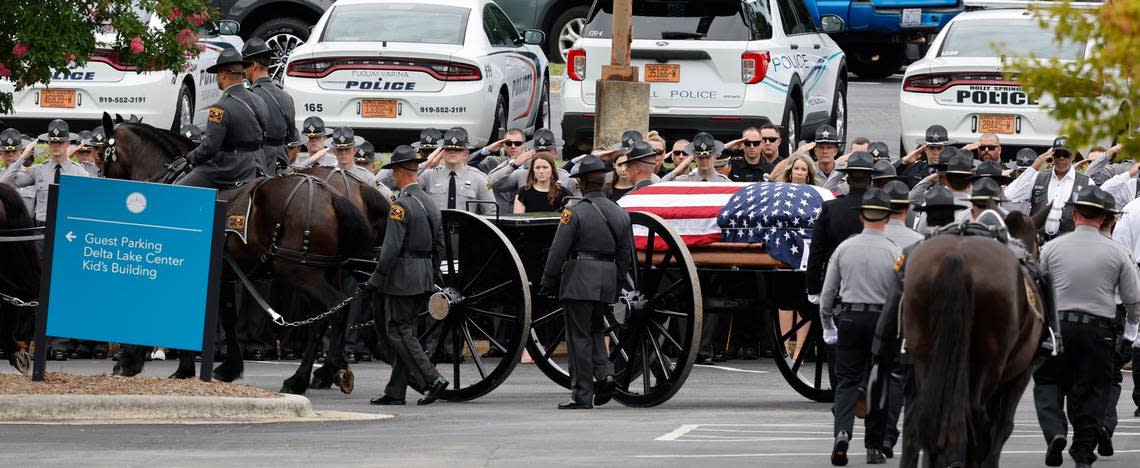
{"x": 804, "y": 57}
{"x": 507, "y": 67}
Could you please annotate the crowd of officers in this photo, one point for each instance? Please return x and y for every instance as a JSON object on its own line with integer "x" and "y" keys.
{"x": 885, "y": 205}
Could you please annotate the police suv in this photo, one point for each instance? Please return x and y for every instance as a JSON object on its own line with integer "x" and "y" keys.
{"x": 161, "y": 98}
{"x": 402, "y": 66}
{"x": 959, "y": 83}
{"x": 716, "y": 66}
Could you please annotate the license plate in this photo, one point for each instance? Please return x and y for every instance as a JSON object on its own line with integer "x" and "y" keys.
{"x": 1002, "y": 124}
{"x": 662, "y": 73}
{"x": 378, "y": 108}
{"x": 911, "y": 16}
{"x": 58, "y": 98}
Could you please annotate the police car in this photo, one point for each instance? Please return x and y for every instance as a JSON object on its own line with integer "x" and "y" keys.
{"x": 401, "y": 66}
{"x": 716, "y": 66}
{"x": 959, "y": 83}
{"x": 160, "y": 98}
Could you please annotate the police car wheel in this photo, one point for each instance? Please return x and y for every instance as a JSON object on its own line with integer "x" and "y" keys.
{"x": 282, "y": 35}
{"x": 499, "y": 126}
{"x": 791, "y": 125}
{"x": 564, "y": 31}
{"x": 543, "y": 120}
{"x": 839, "y": 112}
{"x": 184, "y": 109}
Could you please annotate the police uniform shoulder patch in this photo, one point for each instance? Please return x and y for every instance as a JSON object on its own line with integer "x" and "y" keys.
{"x": 216, "y": 114}
{"x": 566, "y": 215}
{"x": 900, "y": 262}
{"x": 397, "y": 213}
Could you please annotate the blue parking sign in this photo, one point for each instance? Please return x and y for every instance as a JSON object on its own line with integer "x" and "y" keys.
{"x": 131, "y": 262}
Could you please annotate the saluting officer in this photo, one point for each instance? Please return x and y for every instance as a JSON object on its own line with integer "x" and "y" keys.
{"x": 85, "y": 155}
{"x": 924, "y": 160}
{"x": 587, "y": 261}
{"x": 230, "y": 152}
{"x": 59, "y": 138}
{"x": 510, "y": 176}
{"x": 838, "y": 219}
{"x": 413, "y": 247}
{"x": 314, "y": 131}
{"x": 1087, "y": 269}
{"x": 861, "y": 274}
{"x": 640, "y": 160}
{"x": 279, "y": 120}
{"x": 12, "y": 143}
{"x": 1049, "y": 191}
{"x": 704, "y": 149}
{"x": 453, "y": 184}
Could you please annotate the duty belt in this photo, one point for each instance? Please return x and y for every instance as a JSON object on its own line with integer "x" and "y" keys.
{"x": 416, "y": 255}
{"x": 857, "y": 307}
{"x": 246, "y": 147}
{"x": 273, "y": 142}
{"x": 1085, "y": 318}
{"x": 591, "y": 256}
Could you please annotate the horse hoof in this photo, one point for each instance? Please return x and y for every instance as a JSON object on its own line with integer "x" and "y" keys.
{"x": 319, "y": 382}
{"x": 345, "y": 380}
{"x": 23, "y": 362}
{"x": 289, "y": 387}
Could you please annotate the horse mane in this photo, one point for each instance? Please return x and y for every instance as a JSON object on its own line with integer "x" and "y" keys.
{"x": 21, "y": 264}
{"x": 171, "y": 142}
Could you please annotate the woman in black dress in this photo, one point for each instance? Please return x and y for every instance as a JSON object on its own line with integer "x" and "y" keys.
{"x": 542, "y": 192}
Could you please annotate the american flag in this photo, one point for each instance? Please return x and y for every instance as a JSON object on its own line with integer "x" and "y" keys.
{"x": 691, "y": 208}
{"x": 779, "y": 215}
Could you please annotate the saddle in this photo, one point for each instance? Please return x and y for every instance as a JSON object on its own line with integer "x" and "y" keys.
{"x": 240, "y": 209}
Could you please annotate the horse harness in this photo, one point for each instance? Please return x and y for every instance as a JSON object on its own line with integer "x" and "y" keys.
{"x": 302, "y": 256}
{"x": 28, "y": 234}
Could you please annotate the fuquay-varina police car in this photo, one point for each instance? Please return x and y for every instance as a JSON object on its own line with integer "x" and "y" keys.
{"x": 403, "y": 65}
{"x": 160, "y": 98}
{"x": 716, "y": 66}
{"x": 959, "y": 83}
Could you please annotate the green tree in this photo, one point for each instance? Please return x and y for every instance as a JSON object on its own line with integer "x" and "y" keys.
{"x": 40, "y": 37}
{"x": 1096, "y": 95}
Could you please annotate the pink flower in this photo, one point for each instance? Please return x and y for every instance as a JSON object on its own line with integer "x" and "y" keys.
{"x": 198, "y": 19}
{"x": 4, "y": 71}
{"x": 177, "y": 13}
{"x": 201, "y": 48}
{"x": 70, "y": 57}
{"x": 20, "y": 50}
{"x": 186, "y": 37}
{"x": 137, "y": 46}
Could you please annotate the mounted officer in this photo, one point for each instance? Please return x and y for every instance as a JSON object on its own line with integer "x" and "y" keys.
{"x": 587, "y": 261}
{"x": 230, "y": 152}
{"x": 279, "y": 121}
{"x": 413, "y": 247}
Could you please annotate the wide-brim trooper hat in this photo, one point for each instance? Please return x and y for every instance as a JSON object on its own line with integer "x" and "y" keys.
{"x": 255, "y": 47}
{"x": 704, "y": 144}
{"x": 628, "y": 138}
{"x": 984, "y": 190}
{"x": 300, "y": 141}
{"x": 429, "y": 139}
{"x": 343, "y": 137}
{"x": 1094, "y": 197}
{"x": 365, "y": 153}
{"x": 859, "y": 161}
{"x": 883, "y": 170}
{"x": 938, "y": 197}
{"x": 543, "y": 140}
{"x": 826, "y": 134}
{"x": 192, "y": 133}
{"x": 228, "y": 57}
{"x": 959, "y": 162}
{"x": 589, "y": 165}
{"x": 1024, "y": 158}
{"x": 58, "y": 131}
{"x": 899, "y": 194}
{"x": 314, "y": 126}
{"x": 456, "y": 139}
{"x": 722, "y": 160}
{"x": 403, "y": 154}
{"x": 12, "y": 140}
{"x": 86, "y": 143}
{"x": 879, "y": 150}
{"x": 936, "y": 135}
{"x": 877, "y": 201}
{"x": 990, "y": 170}
{"x": 640, "y": 150}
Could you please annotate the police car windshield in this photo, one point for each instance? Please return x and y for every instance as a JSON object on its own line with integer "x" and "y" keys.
{"x": 1013, "y": 38}
{"x": 708, "y": 20}
{"x": 397, "y": 22}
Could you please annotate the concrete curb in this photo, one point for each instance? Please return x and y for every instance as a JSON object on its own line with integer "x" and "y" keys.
{"x": 142, "y": 407}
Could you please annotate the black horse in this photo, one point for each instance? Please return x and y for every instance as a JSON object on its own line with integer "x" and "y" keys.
{"x": 19, "y": 277}
{"x": 297, "y": 230}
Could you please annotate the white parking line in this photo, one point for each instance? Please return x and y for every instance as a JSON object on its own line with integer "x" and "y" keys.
{"x": 763, "y": 433}
{"x": 731, "y": 369}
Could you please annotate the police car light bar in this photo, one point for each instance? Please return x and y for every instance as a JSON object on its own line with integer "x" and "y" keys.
{"x": 1024, "y": 4}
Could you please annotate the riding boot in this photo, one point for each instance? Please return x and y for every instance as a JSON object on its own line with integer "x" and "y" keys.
{"x": 1051, "y": 343}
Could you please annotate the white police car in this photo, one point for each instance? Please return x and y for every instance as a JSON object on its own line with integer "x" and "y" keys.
{"x": 164, "y": 99}
{"x": 403, "y": 65}
{"x": 959, "y": 83}
{"x": 716, "y": 66}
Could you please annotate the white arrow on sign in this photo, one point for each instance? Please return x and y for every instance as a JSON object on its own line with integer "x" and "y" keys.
{"x": 70, "y": 236}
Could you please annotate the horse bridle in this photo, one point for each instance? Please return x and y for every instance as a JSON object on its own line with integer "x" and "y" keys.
{"x": 110, "y": 155}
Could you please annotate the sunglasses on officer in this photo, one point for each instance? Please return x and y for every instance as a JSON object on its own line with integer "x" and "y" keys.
{"x": 513, "y": 143}
{"x": 988, "y": 147}
{"x": 676, "y": 153}
{"x": 753, "y": 143}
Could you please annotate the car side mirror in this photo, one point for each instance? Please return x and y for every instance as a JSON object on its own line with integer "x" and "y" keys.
{"x": 831, "y": 24}
{"x": 534, "y": 37}
{"x": 229, "y": 27}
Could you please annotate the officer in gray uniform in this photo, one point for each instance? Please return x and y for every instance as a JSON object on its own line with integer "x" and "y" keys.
{"x": 896, "y": 229}
{"x": 12, "y": 143}
{"x": 345, "y": 146}
{"x": 640, "y": 160}
{"x": 85, "y": 156}
{"x": 230, "y": 152}
{"x": 861, "y": 275}
{"x": 314, "y": 131}
{"x": 510, "y": 176}
{"x": 279, "y": 119}
{"x": 40, "y": 176}
{"x": 453, "y": 183}
{"x": 413, "y": 247}
{"x": 1087, "y": 269}
{"x": 427, "y": 144}
{"x": 704, "y": 148}
{"x": 587, "y": 261}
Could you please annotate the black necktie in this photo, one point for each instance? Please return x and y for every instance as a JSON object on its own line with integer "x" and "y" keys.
{"x": 56, "y": 179}
{"x": 451, "y": 192}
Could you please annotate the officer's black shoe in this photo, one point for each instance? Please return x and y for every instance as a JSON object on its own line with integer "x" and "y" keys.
{"x": 81, "y": 354}
{"x": 494, "y": 353}
{"x": 432, "y": 392}
{"x": 705, "y": 359}
{"x": 385, "y": 400}
{"x": 58, "y": 355}
{"x": 718, "y": 356}
{"x": 875, "y": 457}
{"x": 749, "y": 354}
{"x": 839, "y": 450}
{"x": 571, "y": 404}
{"x": 363, "y": 357}
{"x": 1104, "y": 443}
{"x": 99, "y": 355}
{"x": 118, "y": 355}
{"x": 1053, "y": 457}
{"x": 888, "y": 452}
{"x": 604, "y": 390}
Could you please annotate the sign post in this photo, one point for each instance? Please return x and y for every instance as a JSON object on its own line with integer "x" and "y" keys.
{"x": 132, "y": 263}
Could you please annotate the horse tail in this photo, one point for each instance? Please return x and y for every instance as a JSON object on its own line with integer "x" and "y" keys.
{"x": 942, "y": 405}
{"x": 377, "y": 208}
{"x": 352, "y": 227}
{"x": 18, "y": 256}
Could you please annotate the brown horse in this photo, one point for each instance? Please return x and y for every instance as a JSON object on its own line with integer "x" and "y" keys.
{"x": 19, "y": 277}
{"x": 971, "y": 322}
{"x": 298, "y": 230}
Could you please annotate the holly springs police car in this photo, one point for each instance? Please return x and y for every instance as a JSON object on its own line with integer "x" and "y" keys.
{"x": 403, "y": 65}
{"x": 959, "y": 83}
{"x": 716, "y": 66}
{"x": 160, "y": 98}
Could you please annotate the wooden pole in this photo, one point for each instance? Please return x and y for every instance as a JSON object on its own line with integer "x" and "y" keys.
{"x": 619, "y": 68}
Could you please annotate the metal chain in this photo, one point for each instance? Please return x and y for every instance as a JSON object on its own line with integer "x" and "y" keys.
{"x": 363, "y": 325}
{"x": 279, "y": 320}
{"x": 17, "y": 301}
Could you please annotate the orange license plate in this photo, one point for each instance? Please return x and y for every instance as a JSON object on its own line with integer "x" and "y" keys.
{"x": 378, "y": 108}
{"x": 662, "y": 73}
{"x": 1003, "y": 124}
{"x": 58, "y": 98}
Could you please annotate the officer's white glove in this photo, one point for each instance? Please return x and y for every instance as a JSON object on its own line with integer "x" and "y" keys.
{"x": 1130, "y": 332}
{"x": 813, "y": 298}
{"x": 830, "y": 333}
